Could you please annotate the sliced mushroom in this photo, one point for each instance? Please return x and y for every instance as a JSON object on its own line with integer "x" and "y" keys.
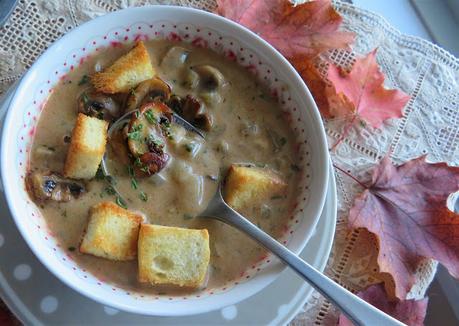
{"x": 176, "y": 104}
{"x": 146, "y": 138}
{"x": 143, "y": 135}
{"x": 151, "y": 163}
{"x": 150, "y": 90}
{"x": 174, "y": 57}
{"x": 195, "y": 112}
{"x": 190, "y": 79}
{"x": 98, "y": 105}
{"x": 44, "y": 186}
{"x": 210, "y": 78}
{"x": 211, "y": 98}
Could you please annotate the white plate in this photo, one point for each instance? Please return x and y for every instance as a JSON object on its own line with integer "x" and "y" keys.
{"x": 37, "y": 297}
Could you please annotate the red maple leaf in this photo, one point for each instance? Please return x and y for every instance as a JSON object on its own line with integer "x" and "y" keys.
{"x": 405, "y": 207}
{"x": 363, "y": 87}
{"x": 305, "y": 29}
{"x": 410, "y": 312}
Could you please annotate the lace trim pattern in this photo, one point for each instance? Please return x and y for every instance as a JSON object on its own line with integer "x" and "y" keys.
{"x": 429, "y": 126}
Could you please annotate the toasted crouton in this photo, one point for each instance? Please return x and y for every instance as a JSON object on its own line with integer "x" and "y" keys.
{"x": 112, "y": 232}
{"x": 87, "y": 147}
{"x": 175, "y": 256}
{"x": 126, "y": 72}
{"x": 249, "y": 186}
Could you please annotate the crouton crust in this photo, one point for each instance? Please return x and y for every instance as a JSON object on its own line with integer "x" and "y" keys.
{"x": 126, "y": 72}
{"x": 172, "y": 255}
{"x": 249, "y": 186}
{"x": 87, "y": 147}
{"x": 112, "y": 232}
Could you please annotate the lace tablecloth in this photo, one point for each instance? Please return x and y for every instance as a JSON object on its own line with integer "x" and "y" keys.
{"x": 430, "y": 124}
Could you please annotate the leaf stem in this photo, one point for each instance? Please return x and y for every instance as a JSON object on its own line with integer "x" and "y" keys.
{"x": 351, "y": 176}
{"x": 344, "y": 134}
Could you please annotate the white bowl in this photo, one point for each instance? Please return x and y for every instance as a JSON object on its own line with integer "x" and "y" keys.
{"x": 202, "y": 29}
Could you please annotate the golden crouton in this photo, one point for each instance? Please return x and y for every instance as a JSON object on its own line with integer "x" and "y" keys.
{"x": 249, "y": 186}
{"x": 112, "y": 232}
{"x": 175, "y": 256}
{"x": 87, "y": 147}
{"x": 126, "y": 72}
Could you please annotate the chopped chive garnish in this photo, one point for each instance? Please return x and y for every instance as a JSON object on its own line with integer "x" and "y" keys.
{"x": 134, "y": 183}
{"x": 83, "y": 80}
{"x": 143, "y": 196}
{"x": 120, "y": 202}
{"x": 134, "y": 134}
{"x": 130, "y": 170}
{"x": 150, "y": 117}
{"x": 190, "y": 147}
{"x": 110, "y": 190}
{"x": 85, "y": 98}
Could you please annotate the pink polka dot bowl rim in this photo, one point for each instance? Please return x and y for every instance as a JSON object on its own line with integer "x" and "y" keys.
{"x": 202, "y": 29}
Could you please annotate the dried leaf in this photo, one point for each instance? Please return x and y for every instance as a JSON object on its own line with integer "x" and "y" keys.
{"x": 405, "y": 207}
{"x": 305, "y": 29}
{"x": 410, "y": 312}
{"x": 363, "y": 87}
{"x": 316, "y": 83}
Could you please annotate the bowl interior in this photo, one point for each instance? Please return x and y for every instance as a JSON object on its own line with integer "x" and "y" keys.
{"x": 202, "y": 29}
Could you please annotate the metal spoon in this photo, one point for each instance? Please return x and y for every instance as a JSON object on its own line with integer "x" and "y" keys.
{"x": 356, "y": 309}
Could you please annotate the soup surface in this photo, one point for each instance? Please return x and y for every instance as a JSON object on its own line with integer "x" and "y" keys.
{"x": 246, "y": 127}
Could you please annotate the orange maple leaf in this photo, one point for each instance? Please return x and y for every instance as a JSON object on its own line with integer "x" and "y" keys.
{"x": 363, "y": 87}
{"x": 317, "y": 85}
{"x": 305, "y": 29}
{"x": 405, "y": 207}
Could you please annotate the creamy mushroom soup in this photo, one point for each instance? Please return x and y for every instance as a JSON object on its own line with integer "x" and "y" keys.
{"x": 240, "y": 121}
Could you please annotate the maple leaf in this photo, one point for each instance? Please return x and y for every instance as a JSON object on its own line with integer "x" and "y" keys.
{"x": 363, "y": 88}
{"x": 317, "y": 85}
{"x": 410, "y": 312}
{"x": 305, "y": 29}
{"x": 405, "y": 207}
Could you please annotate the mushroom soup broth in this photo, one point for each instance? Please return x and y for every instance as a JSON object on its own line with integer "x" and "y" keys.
{"x": 241, "y": 124}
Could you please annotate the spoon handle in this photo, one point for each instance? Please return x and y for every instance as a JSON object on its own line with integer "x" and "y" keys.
{"x": 355, "y": 309}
